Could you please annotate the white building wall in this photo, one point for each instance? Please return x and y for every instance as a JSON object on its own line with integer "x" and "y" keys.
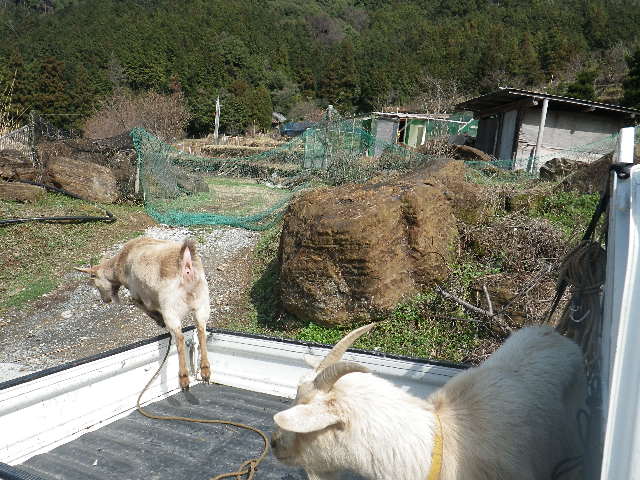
{"x": 577, "y": 135}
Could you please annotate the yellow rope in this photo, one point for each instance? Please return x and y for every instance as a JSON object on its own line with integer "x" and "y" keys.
{"x": 248, "y": 468}
{"x": 436, "y": 453}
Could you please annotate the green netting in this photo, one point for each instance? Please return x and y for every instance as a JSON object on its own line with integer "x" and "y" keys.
{"x": 248, "y": 191}
{"x": 252, "y": 191}
{"x": 184, "y": 189}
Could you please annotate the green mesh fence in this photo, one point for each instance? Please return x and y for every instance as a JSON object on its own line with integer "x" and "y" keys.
{"x": 252, "y": 191}
{"x": 342, "y": 150}
{"x": 184, "y": 189}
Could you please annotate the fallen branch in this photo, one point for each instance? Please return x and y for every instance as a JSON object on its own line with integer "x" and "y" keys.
{"x": 486, "y": 294}
{"x": 494, "y": 318}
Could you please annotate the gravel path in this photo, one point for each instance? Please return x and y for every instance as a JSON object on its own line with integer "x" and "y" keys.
{"x": 71, "y": 322}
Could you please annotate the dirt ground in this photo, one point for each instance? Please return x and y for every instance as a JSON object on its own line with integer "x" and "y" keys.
{"x": 71, "y": 322}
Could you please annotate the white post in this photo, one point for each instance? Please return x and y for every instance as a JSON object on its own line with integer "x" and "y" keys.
{"x": 620, "y": 368}
{"x": 136, "y": 187}
{"x": 217, "y": 120}
{"x": 543, "y": 119}
{"x": 624, "y": 149}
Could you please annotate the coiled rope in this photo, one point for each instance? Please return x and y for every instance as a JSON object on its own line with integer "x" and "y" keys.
{"x": 248, "y": 468}
{"x": 581, "y": 320}
{"x": 583, "y": 269}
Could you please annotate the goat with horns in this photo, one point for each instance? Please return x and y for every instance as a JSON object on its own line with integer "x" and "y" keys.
{"x": 513, "y": 417}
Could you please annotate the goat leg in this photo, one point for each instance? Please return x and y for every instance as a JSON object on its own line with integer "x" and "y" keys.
{"x": 183, "y": 373}
{"x": 202, "y": 315}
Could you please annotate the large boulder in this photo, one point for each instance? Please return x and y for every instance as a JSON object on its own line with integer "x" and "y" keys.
{"x": 349, "y": 252}
{"x": 89, "y": 181}
{"x": 102, "y": 170}
{"x": 558, "y": 168}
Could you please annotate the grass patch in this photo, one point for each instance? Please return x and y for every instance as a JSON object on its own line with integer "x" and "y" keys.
{"x": 570, "y": 211}
{"x": 30, "y": 292}
{"x": 408, "y": 330}
{"x": 230, "y": 196}
{"x": 35, "y": 255}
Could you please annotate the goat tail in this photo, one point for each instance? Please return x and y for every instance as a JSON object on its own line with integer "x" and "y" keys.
{"x": 186, "y": 259}
{"x": 189, "y": 243}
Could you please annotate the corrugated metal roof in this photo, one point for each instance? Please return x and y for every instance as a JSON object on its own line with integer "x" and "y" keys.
{"x": 136, "y": 447}
{"x": 506, "y": 95}
{"x": 421, "y": 116}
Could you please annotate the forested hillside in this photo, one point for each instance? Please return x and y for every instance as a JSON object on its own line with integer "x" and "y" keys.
{"x": 259, "y": 55}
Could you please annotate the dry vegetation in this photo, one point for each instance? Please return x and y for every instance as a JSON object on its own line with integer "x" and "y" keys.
{"x": 166, "y": 116}
{"x": 9, "y": 116}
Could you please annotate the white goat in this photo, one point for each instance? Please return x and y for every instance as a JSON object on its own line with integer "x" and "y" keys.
{"x": 167, "y": 281}
{"x": 513, "y": 417}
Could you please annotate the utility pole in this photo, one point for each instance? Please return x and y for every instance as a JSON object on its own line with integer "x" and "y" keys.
{"x": 217, "y": 121}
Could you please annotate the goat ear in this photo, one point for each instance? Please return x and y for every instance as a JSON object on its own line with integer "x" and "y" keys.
{"x": 305, "y": 418}
{"x": 312, "y": 361}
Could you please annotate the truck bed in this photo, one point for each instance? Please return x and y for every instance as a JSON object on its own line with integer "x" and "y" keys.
{"x": 79, "y": 421}
{"x": 137, "y": 447}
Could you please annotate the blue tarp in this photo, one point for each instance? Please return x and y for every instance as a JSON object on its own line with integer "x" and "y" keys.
{"x": 293, "y": 129}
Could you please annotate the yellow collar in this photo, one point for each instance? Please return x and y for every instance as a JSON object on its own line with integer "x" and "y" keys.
{"x": 436, "y": 453}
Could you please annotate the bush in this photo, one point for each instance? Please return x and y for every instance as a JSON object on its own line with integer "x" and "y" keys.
{"x": 166, "y": 116}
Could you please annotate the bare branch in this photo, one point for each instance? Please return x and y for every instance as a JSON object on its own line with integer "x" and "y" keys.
{"x": 495, "y": 320}
{"x": 486, "y": 294}
{"x": 459, "y": 301}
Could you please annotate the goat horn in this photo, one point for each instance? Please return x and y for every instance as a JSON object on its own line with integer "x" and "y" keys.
{"x": 330, "y": 375}
{"x": 338, "y": 350}
{"x": 85, "y": 270}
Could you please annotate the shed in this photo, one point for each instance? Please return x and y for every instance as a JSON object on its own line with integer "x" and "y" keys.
{"x": 413, "y": 129}
{"x": 524, "y": 129}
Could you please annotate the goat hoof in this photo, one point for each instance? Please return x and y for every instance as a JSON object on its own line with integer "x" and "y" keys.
{"x": 205, "y": 373}
{"x": 184, "y": 383}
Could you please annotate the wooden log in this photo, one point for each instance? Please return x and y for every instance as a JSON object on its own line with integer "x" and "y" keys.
{"x": 15, "y": 165}
{"x": 90, "y": 181}
{"x": 20, "y": 192}
{"x": 466, "y": 152}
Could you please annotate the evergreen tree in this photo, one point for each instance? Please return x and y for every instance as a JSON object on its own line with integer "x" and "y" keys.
{"x": 631, "y": 85}
{"x": 583, "y": 86}
{"x": 339, "y": 85}
{"x": 51, "y": 96}
{"x": 259, "y": 107}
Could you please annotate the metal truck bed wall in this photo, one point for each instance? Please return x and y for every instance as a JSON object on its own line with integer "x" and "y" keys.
{"x": 48, "y": 409}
